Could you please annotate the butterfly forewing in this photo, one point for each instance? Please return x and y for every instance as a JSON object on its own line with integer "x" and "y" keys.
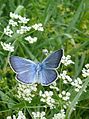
{"x": 53, "y": 60}
{"x": 25, "y": 69}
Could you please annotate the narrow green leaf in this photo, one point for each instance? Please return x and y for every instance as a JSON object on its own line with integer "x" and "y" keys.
{"x": 49, "y": 10}
{"x": 19, "y": 9}
{"x": 76, "y": 17}
{"x": 29, "y": 52}
{"x": 73, "y": 103}
{"x": 79, "y": 65}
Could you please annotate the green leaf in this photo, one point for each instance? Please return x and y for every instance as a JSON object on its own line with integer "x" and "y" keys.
{"x": 6, "y": 99}
{"x": 76, "y": 17}
{"x": 29, "y": 52}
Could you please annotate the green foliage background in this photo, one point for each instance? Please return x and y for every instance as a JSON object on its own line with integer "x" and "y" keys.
{"x": 59, "y": 18}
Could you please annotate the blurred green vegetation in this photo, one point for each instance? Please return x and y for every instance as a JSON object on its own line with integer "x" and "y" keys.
{"x": 66, "y": 25}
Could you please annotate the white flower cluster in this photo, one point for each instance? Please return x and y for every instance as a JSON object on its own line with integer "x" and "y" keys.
{"x": 66, "y": 78}
{"x": 77, "y": 83}
{"x": 15, "y": 21}
{"x": 23, "y": 20}
{"x": 37, "y": 115}
{"x": 60, "y": 115}
{"x": 20, "y": 24}
{"x": 54, "y": 86}
{"x": 67, "y": 60}
{"x": 38, "y": 27}
{"x": 65, "y": 96}
{"x": 20, "y": 116}
{"x": 26, "y": 91}
{"x": 85, "y": 71}
{"x": 7, "y": 47}
{"x": 12, "y": 23}
{"x": 30, "y": 39}
{"x": 23, "y": 29}
{"x": 8, "y": 31}
{"x": 47, "y": 98}
{"x": 14, "y": 15}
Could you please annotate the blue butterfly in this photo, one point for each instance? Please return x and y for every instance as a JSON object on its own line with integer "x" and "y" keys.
{"x": 30, "y": 72}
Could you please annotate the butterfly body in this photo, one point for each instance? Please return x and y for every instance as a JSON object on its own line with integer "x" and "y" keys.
{"x": 38, "y": 70}
{"x": 29, "y": 72}
{"x": 39, "y": 67}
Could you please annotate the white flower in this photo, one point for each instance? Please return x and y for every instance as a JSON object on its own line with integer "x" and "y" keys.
{"x": 87, "y": 66}
{"x": 66, "y": 78}
{"x": 38, "y": 27}
{"x": 12, "y": 22}
{"x": 20, "y": 116}
{"x": 63, "y": 75}
{"x": 23, "y": 29}
{"x": 60, "y": 115}
{"x": 77, "y": 83}
{"x": 45, "y": 51}
{"x": 14, "y": 117}
{"x": 8, "y": 31}
{"x": 68, "y": 94}
{"x": 7, "y": 47}
{"x": 14, "y": 15}
{"x": 23, "y": 20}
{"x": 67, "y": 60}
{"x": 63, "y": 92}
{"x": 8, "y": 117}
{"x": 47, "y": 98}
{"x": 26, "y": 91}
{"x": 54, "y": 86}
{"x": 40, "y": 115}
{"x": 64, "y": 95}
{"x": 85, "y": 71}
{"x": 30, "y": 39}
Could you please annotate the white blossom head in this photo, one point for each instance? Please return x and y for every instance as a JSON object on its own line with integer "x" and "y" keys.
{"x": 7, "y": 47}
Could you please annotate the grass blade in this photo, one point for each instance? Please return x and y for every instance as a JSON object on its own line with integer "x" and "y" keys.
{"x": 73, "y": 103}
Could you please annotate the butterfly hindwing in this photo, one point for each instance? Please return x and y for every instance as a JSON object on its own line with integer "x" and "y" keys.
{"x": 47, "y": 76}
{"x": 25, "y": 69}
{"x": 53, "y": 60}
